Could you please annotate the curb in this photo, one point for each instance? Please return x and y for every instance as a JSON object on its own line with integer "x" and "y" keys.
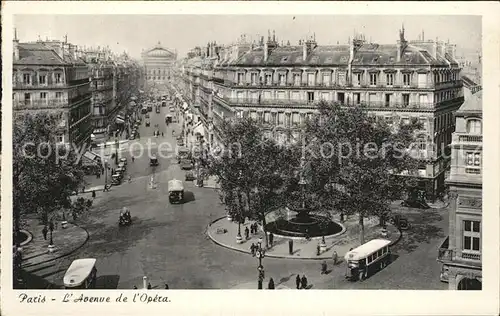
{"x": 30, "y": 237}
{"x": 67, "y": 253}
{"x": 272, "y": 255}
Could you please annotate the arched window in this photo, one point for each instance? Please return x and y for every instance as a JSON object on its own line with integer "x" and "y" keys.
{"x": 474, "y": 126}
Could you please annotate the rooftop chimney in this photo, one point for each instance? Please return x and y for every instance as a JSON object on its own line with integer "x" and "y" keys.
{"x": 402, "y": 43}
{"x": 15, "y": 43}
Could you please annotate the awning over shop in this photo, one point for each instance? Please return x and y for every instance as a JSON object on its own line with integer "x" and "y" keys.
{"x": 90, "y": 159}
{"x": 120, "y": 120}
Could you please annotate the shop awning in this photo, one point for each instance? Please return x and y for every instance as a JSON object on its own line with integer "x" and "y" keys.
{"x": 120, "y": 120}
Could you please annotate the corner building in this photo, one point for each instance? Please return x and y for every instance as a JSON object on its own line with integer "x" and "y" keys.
{"x": 460, "y": 254}
{"x": 49, "y": 77}
{"x": 279, "y": 84}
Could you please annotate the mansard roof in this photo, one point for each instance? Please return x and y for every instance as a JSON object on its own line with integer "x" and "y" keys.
{"x": 38, "y": 54}
{"x": 472, "y": 105}
{"x": 367, "y": 54}
{"x": 159, "y": 51}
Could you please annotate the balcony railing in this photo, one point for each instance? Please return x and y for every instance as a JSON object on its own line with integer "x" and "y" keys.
{"x": 463, "y": 257}
{"x": 263, "y": 101}
{"x": 22, "y": 85}
{"x": 40, "y": 104}
{"x": 470, "y": 138}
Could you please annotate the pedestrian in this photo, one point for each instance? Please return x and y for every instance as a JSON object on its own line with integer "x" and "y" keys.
{"x": 297, "y": 281}
{"x": 335, "y": 257}
{"x": 247, "y": 233}
{"x": 323, "y": 267}
{"x": 93, "y": 194}
{"x": 149, "y": 286}
{"x": 252, "y": 249}
{"x": 303, "y": 282}
{"x": 166, "y": 286}
{"x": 133, "y": 158}
{"x": 161, "y": 134}
{"x": 271, "y": 238}
{"x": 270, "y": 285}
{"x": 129, "y": 178}
{"x": 45, "y": 230}
{"x": 259, "y": 284}
{"x": 135, "y": 287}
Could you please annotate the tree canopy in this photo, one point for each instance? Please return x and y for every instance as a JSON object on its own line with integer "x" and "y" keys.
{"x": 45, "y": 173}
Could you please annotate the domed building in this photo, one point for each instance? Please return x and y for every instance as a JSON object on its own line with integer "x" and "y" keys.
{"x": 158, "y": 62}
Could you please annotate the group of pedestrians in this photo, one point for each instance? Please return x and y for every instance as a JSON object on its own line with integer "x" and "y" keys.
{"x": 301, "y": 283}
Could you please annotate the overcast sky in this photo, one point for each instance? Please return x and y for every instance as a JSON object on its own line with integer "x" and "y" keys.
{"x": 132, "y": 33}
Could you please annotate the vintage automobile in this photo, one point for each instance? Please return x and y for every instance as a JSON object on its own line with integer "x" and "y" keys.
{"x": 153, "y": 161}
{"x": 148, "y": 123}
{"x": 168, "y": 118}
{"x": 175, "y": 191}
{"x": 182, "y": 153}
{"x": 116, "y": 179}
{"x": 186, "y": 164}
{"x": 123, "y": 160}
{"x": 81, "y": 274}
{"x": 147, "y": 115}
{"x": 415, "y": 204}
{"x": 190, "y": 176}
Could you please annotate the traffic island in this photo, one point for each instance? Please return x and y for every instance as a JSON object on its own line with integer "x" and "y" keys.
{"x": 66, "y": 241}
{"x": 224, "y": 233}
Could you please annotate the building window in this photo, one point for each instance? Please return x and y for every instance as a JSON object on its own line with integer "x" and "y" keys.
{"x": 43, "y": 96}
{"x": 357, "y": 78}
{"x": 373, "y": 79}
{"x": 296, "y": 79}
{"x": 310, "y": 97}
{"x": 27, "y": 98}
{"x": 472, "y": 236}
{"x": 281, "y": 118}
{"x": 474, "y": 127}
{"x": 357, "y": 98}
{"x": 282, "y": 79}
{"x": 390, "y": 79}
{"x": 267, "y": 117}
{"x": 406, "y": 99}
{"x": 240, "y": 78}
{"x": 59, "y": 138}
{"x": 269, "y": 79}
{"x": 253, "y": 77}
{"x": 473, "y": 159}
{"x": 310, "y": 79}
{"x": 295, "y": 118}
{"x": 326, "y": 79}
{"x": 406, "y": 79}
{"x": 26, "y": 79}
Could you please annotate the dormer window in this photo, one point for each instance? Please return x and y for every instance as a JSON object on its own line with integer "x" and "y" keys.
{"x": 474, "y": 127}
{"x": 284, "y": 59}
{"x": 315, "y": 59}
{"x": 26, "y": 78}
{"x": 343, "y": 59}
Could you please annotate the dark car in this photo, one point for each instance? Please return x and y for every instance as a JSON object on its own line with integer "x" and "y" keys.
{"x": 415, "y": 204}
{"x": 147, "y": 115}
{"x": 189, "y": 176}
{"x": 148, "y": 123}
{"x": 186, "y": 164}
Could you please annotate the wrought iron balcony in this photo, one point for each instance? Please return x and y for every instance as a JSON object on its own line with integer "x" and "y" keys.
{"x": 40, "y": 104}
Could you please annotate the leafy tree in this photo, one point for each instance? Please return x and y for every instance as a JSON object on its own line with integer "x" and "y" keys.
{"x": 45, "y": 174}
{"x": 251, "y": 166}
{"x": 357, "y": 160}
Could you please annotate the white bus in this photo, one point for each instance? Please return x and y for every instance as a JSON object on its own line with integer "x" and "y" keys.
{"x": 367, "y": 258}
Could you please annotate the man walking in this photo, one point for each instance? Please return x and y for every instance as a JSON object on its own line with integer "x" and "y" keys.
{"x": 271, "y": 284}
{"x": 297, "y": 281}
{"x": 247, "y": 233}
{"x": 271, "y": 238}
{"x": 44, "y": 232}
{"x": 303, "y": 282}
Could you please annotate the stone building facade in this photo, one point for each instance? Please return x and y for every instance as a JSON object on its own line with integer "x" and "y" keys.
{"x": 48, "y": 76}
{"x": 279, "y": 85}
{"x": 460, "y": 254}
{"x": 158, "y": 62}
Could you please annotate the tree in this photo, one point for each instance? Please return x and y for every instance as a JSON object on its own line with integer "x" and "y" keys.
{"x": 358, "y": 160}
{"x": 45, "y": 174}
{"x": 250, "y": 165}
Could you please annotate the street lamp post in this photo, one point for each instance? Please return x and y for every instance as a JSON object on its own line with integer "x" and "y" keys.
{"x": 116, "y": 150}
{"x": 260, "y": 268}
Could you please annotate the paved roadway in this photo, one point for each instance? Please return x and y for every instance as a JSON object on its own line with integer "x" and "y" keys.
{"x": 168, "y": 243}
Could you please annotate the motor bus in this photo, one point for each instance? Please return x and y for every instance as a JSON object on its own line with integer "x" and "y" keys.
{"x": 81, "y": 274}
{"x": 367, "y": 259}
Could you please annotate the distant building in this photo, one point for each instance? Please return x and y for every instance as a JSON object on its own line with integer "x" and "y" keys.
{"x": 48, "y": 76}
{"x": 158, "y": 62}
{"x": 279, "y": 84}
{"x": 460, "y": 254}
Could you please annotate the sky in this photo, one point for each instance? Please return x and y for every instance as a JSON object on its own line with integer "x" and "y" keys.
{"x": 132, "y": 33}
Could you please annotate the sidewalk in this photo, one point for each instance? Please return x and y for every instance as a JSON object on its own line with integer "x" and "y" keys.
{"x": 303, "y": 249}
{"x": 66, "y": 240}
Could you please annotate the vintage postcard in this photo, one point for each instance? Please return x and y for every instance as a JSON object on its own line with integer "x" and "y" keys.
{"x": 336, "y": 152}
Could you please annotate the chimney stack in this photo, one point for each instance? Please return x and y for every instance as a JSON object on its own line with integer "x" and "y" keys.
{"x": 266, "y": 51}
{"x": 15, "y": 43}
{"x": 402, "y": 43}
{"x": 304, "y": 50}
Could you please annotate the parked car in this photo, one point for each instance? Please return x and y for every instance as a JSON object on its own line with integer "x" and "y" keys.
{"x": 147, "y": 115}
{"x": 180, "y": 142}
{"x": 148, "y": 123}
{"x": 124, "y": 160}
{"x": 415, "y": 204}
{"x": 190, "y": 176}
{"x": 186, "y": 164}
